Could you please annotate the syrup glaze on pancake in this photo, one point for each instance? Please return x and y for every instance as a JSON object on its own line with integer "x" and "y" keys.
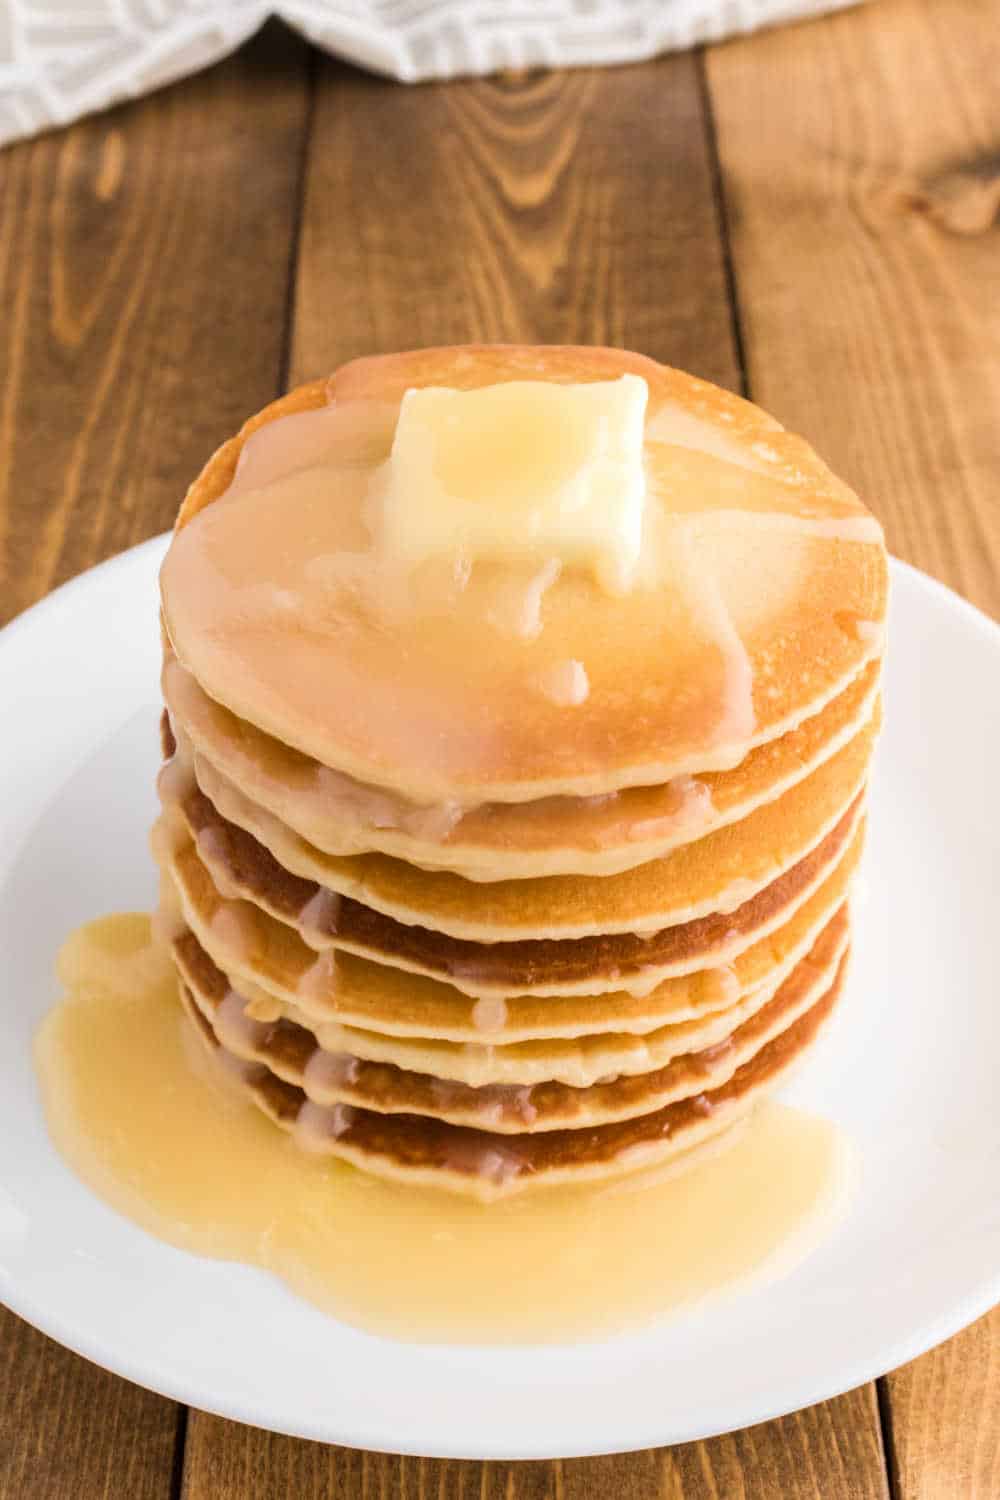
{"x": 490, "y": 1165}
{"x": 555, "y": 835}
{"x": 578, "y": 1061}
{"x": 760, "y": 606}
{"x": 494, "y": 870}
{"x": 353, "y": 992}
{"x": 495, "y": 1057}
{"x": 715, "y": 874}
{"x": 115, "y": 1060}
{"x": 542, "y": 966}
{"x": 701, "y": 1056}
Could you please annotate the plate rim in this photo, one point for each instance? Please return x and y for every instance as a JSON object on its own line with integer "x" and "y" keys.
{"x": 96, "y": 1348}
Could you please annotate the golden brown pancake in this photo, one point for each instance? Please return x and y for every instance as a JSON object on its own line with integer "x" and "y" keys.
{"x": 531, "y": 1087}
{"x": 487, "y": 1164}
{"x": 761, "y": 559}
{"x": 717, "y": 873}
{"x": 494, "y": 869}
{"x": 553, "y": 836}
{"x": 367, "y": 996}
{"x": 582, "y": 965}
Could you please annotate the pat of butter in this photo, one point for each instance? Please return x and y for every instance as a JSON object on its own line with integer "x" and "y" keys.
{"x": 527, "y": 469}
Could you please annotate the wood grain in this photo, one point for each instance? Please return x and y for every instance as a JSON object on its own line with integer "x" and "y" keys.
{"x": 944, "y": 1419}
{"x": 831, "y": 1452}
{"x": 144, "y": 259}
{"x": 861, "y": 165}
{"x": 861, "y": 171}
{"x": 144, "y": 271}
{"x": 70, "y": 1429}
{"x": 569, "y": 207}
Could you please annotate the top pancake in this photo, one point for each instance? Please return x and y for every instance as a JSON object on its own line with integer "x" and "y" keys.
{"x": 763, "y": 596}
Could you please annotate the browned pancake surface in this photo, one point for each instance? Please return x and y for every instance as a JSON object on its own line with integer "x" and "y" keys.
{"x": 657, "y": 687}
{"x": 511, "y": 966}
{"x": 291, "y": 1052}
{"x": 407, "y": 1143}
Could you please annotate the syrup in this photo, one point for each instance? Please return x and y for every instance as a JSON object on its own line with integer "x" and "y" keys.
{"x": 162, "y": 1132}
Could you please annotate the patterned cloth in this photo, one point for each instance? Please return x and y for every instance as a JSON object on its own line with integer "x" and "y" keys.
{"x": 60, "y": 59}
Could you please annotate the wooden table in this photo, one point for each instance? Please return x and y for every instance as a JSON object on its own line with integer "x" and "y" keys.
{"x": 810, "y": 216}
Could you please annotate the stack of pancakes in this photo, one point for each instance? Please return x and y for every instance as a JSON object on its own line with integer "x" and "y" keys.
{"x": 443, "y": 913}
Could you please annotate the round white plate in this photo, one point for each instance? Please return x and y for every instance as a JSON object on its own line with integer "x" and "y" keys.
{"x": 908, "y": 1069}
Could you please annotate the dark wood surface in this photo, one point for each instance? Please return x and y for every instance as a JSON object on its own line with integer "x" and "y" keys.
{"x": 861, "y": 162}
{"x": 809, "y": 215}
{"x": 145, "y": 271}
{"x": 830, "y": 1452}
{"x": 570, "y": 207}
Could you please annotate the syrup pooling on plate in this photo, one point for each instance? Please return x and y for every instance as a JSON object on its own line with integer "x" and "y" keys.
{"x": 388, "y": 619}
{"x": 114, "y": 1066}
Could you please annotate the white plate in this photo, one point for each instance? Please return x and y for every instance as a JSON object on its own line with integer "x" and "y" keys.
{"x": 909, "y": 1069}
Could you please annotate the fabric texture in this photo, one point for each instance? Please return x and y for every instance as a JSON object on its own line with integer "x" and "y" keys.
{"x": 60, "y": 59}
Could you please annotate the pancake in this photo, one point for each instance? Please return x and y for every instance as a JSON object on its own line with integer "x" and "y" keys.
{"x": 553, "y": 836}
{"x": 702, "y": 1056}
{"x": 249, "y": 852}
{"x": 516, "y": 749}
{"x": 763, "y": 596}
{"x": 582, "y": 966}
{"x": 375, "y": 997}
{"x": 577, "y": 1065}
{"x": 489, "y": 1165}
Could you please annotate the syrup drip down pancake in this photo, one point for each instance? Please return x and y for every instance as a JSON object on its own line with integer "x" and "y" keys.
{"x": 520, "y": 705}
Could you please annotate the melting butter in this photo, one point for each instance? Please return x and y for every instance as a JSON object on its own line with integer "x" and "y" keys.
{"x": 159, "y": 1131}
{"x": 523, "y": 470}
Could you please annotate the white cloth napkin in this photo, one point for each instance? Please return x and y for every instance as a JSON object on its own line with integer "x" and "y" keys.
{"x": 60, "y": 59}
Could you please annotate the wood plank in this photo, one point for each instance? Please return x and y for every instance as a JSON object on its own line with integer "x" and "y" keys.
{"x": 553, "y": 208}
{"x": 68, "y": 1428}
{"x": 944, "y": 1419}
{"x": 860, "y": 166}
{"x": 860, "y": 172}
{"x": 548, "y": 207}
{"x": 144, "y": 259}
{"x": 830, "y": 1452}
